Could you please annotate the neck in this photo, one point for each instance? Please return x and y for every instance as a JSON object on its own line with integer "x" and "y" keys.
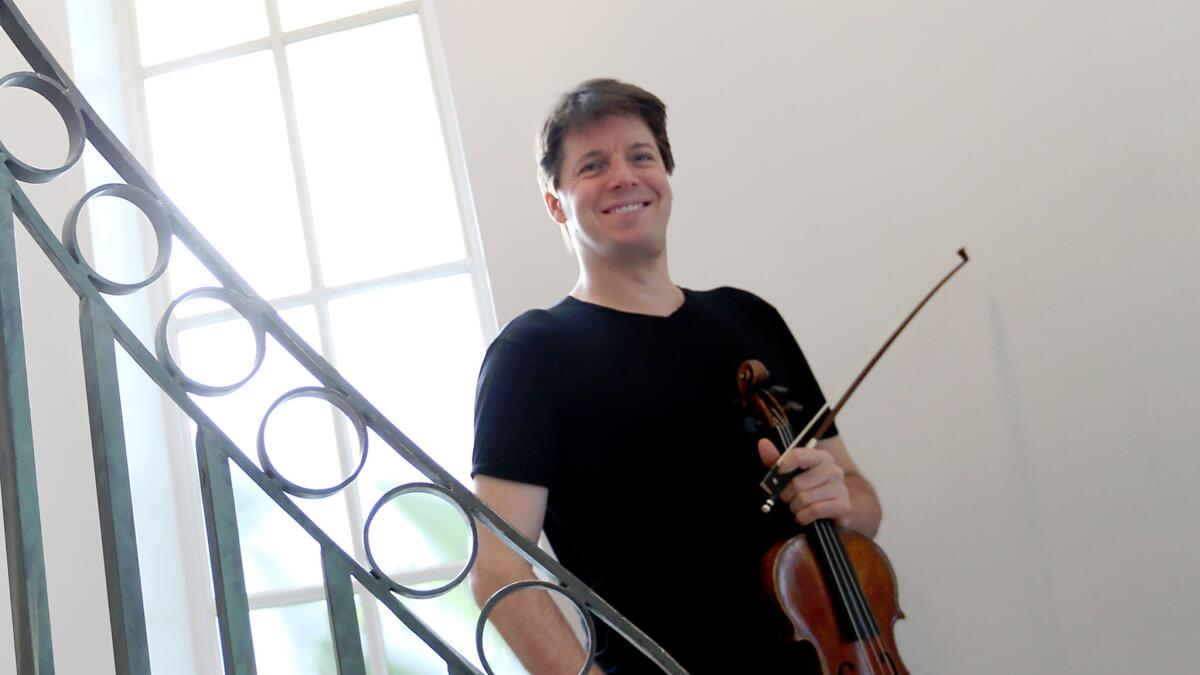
{"x": 643, "y": 289}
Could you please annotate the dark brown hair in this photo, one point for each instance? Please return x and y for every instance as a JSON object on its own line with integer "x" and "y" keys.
{"x": 585, "y": 105}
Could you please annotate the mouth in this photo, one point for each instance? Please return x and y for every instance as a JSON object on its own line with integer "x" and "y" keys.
{"x": 627, "y": 208}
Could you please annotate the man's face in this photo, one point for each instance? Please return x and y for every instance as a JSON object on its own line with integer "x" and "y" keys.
{"x": 614, "y": 196}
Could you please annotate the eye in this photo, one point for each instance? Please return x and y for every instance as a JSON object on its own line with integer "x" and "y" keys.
{"x": 643, "y": 157}
{"x": 590, "y": 167}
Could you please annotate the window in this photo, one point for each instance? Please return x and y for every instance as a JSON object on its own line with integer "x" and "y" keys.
{"x": 306, "y": 140}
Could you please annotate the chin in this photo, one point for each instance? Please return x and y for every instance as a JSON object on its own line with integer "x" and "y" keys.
{"x": 639, "y": 252}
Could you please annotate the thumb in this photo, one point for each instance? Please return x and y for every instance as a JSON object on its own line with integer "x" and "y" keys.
{"x": 767, "y": 452}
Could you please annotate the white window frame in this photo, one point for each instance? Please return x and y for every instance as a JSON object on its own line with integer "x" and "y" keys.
{"x": 193, "y": 538}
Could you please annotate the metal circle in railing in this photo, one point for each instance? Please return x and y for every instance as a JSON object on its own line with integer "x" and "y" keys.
{"x": 419, "y": 488}
{"x": 243, "y": 307}
{"x": 338, "y": 401}
{"x": 589, "y": 626}
{"x": 54, "y": 93}
{"x": 148, "y": 205}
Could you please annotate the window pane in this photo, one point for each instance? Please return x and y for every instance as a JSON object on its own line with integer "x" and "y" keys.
{"x": 453, "y": 617}
{"x": 172, "y": 29}
{"x": 185, "y": 273}
{"x": 414, "y": 351}
{"x": 276, "y": 552}
{"x": 293, "y": 640}
{"x": 415, "y": 531}
{"x": 301, "y": 443}
{"x": 295, "y": 14}
{"x": 222, "y": 353}
{"x": 221, "y": 153}
{"x": 382, "y": 196}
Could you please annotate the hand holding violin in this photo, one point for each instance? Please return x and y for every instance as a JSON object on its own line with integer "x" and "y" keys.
{"x": 830, "y": 485}
{"x": 819, "y": 491}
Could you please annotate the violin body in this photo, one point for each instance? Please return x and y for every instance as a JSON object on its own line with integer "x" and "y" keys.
{"x": 792, "y": 574}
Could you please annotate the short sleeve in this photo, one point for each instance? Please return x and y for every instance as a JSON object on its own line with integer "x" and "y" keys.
{"x": 804, "y": 384}
{"x": 515, "y": 421}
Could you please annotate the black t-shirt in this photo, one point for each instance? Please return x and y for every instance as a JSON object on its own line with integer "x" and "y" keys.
{"x": 633, "y": 423}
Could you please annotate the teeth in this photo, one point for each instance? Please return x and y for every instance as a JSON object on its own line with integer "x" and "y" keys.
{"x": 627, "y": 208}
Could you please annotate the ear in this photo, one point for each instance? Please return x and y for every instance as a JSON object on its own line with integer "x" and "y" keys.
{"x": 554, "y": 207}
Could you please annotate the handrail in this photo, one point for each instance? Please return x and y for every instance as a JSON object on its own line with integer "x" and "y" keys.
{"x": 102, "y": 329}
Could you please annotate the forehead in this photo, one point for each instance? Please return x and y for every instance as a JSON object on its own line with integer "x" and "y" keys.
{"x": 608, "y": 134}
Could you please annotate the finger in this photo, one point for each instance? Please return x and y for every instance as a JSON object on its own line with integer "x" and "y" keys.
{"x": 821, "y": 493}
{"x": 837, "y": 510}
{"x": 805, "y": 484}
{"x": 798, "y": 495}
{"x": 803, "y": 457}
{"x": 767, "y": 452}
{"x": 818, "y": 475}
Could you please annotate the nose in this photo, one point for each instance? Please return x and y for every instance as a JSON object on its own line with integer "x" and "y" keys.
{"x": 622, "y": 174}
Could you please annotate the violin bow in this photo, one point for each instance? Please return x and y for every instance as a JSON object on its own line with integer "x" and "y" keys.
{"x": 776, "y": 480}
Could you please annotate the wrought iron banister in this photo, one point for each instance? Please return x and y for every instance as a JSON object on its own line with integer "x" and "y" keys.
{"x": 101, "y": 330}
{"x": 18, "y": 476}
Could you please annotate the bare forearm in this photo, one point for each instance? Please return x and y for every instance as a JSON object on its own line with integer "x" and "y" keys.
{"x": 529, "y": 620}
{"x": 865, "y": 512}
{"x": 532, "y": 625}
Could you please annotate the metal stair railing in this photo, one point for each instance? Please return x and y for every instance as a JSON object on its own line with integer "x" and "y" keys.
{"x": 101, "y": 331}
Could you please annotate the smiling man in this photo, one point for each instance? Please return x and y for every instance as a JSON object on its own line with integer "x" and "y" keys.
{"x": 610, "y": 421}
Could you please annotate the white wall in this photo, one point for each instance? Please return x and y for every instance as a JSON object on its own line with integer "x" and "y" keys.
{"x": 1032, "y": 435}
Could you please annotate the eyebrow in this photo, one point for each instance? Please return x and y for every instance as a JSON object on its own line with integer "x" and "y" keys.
{"x": 589, "y": 155}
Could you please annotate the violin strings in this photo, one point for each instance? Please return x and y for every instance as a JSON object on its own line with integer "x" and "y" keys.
{"x": 838, "y": 558}
{"x": 861, "y": 617}
{"x": 839, "y": 584}
{"x": 871, "y": 639}
{"x": 827, "y": 549}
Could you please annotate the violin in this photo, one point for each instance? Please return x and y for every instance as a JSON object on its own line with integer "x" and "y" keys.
{"x": 835, "y": 586}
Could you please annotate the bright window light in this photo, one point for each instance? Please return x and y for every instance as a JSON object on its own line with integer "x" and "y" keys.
{"x": 172, "y": 29}
{"x": 295, "y": 14}
{"x": 317, "y": 166}
{"x": 221, "y": 151}
{"x": 382, "y": 196}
